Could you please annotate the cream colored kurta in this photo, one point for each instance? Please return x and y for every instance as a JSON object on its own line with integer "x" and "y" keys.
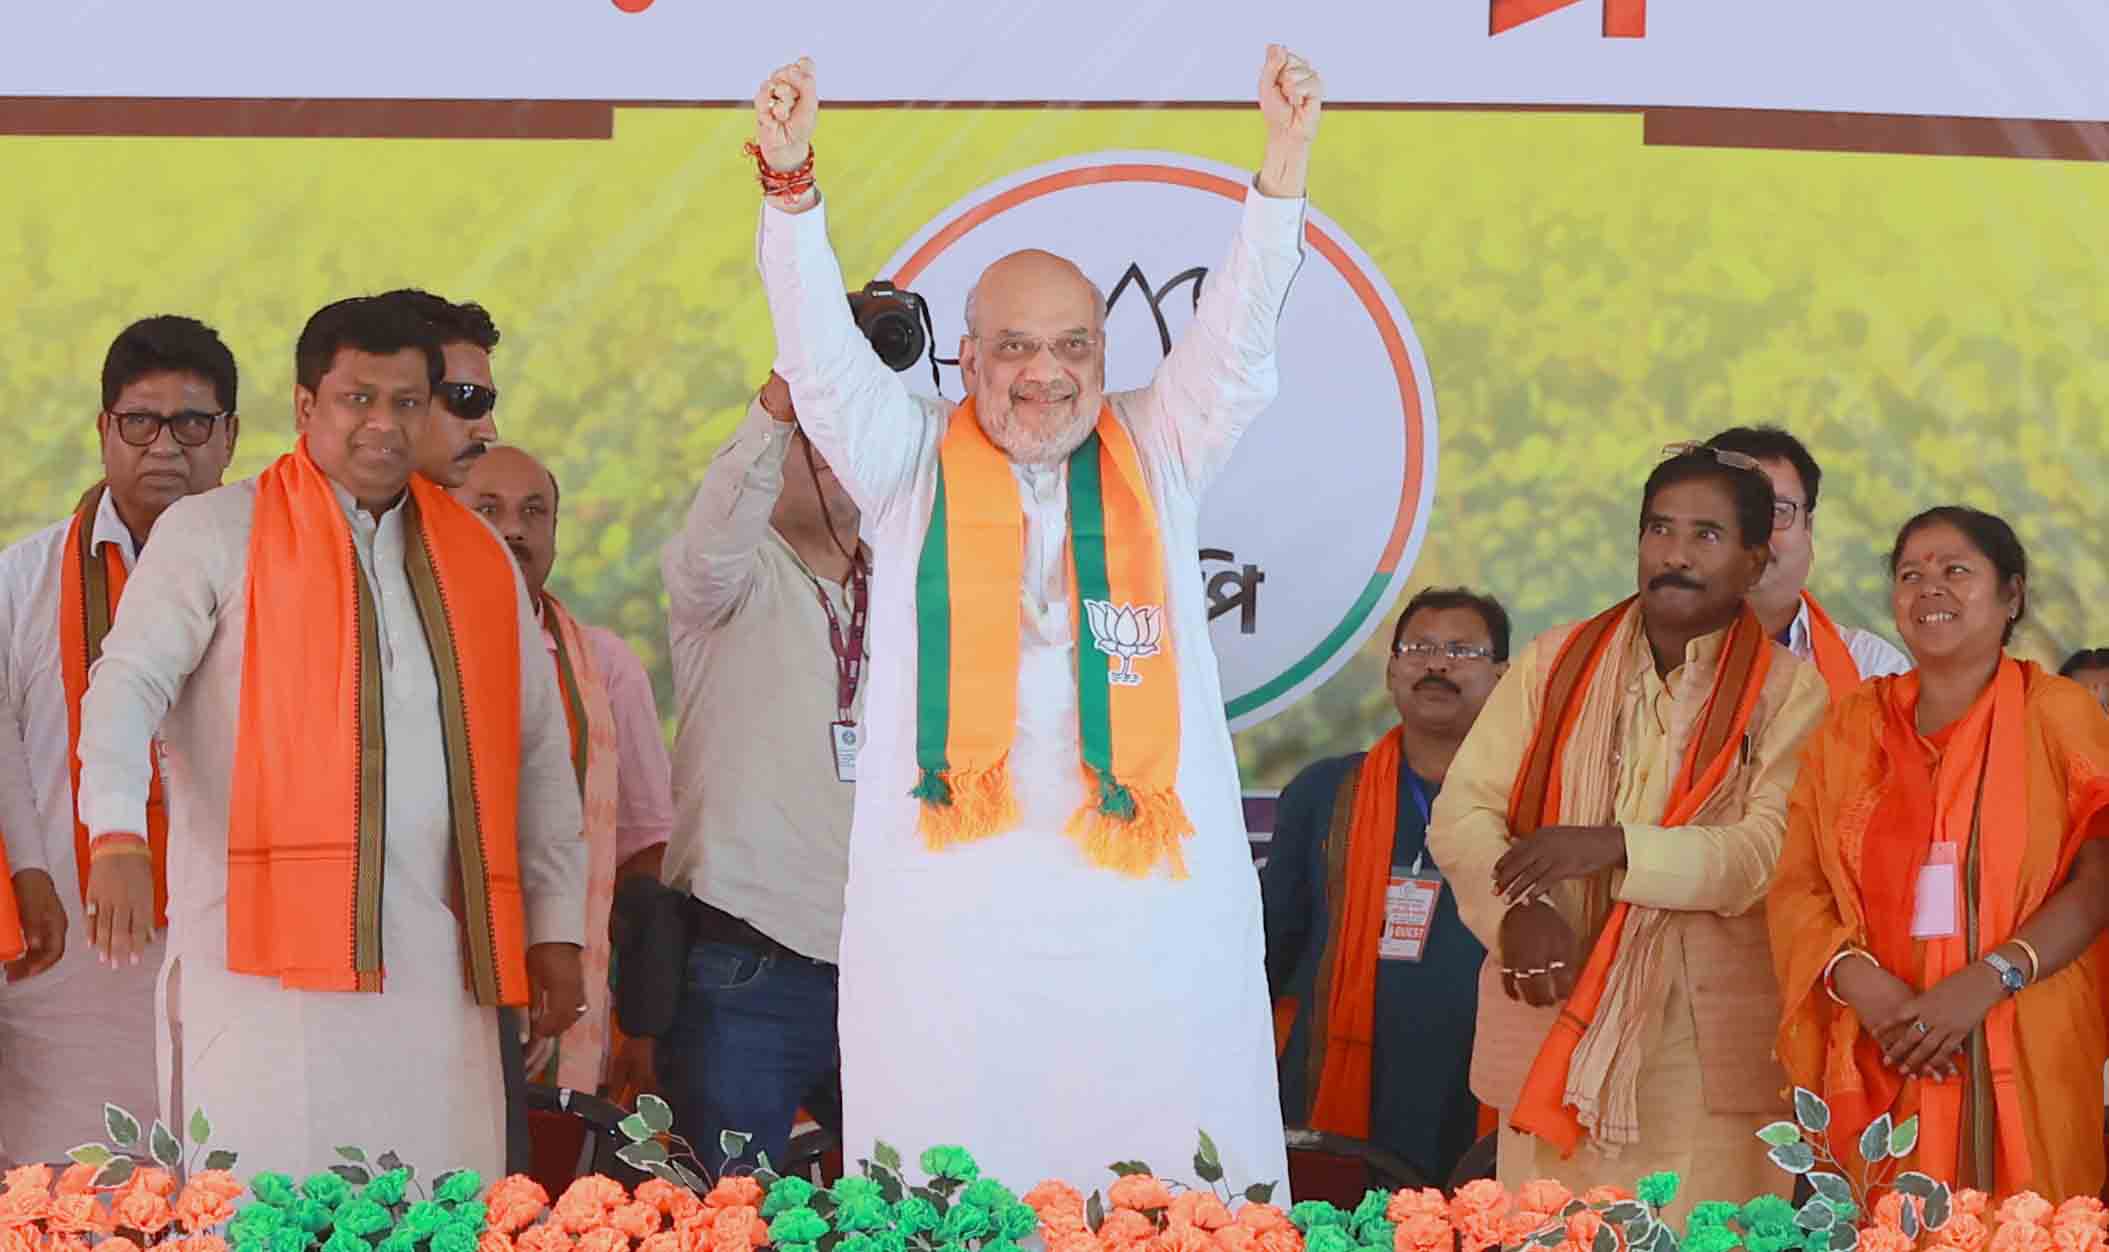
{"x": 79, "y": 1033}
{"x": 285, "y": 1076}
{"x": 1718, "y": 869}
{"x": 1007, "y": 995}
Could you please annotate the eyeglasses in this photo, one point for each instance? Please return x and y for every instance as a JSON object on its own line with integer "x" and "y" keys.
{"x": 189, "y": 428}
{"x": 468, "y": 401}
{"x": 1423, "y": 651}
{"x": 1016, "y": 349}
{"x": 1785, "y": 511}
{"x": 1733, "y": 460}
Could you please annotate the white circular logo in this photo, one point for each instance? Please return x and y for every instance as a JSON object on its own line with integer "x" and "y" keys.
{"x": 1317, "y": 519}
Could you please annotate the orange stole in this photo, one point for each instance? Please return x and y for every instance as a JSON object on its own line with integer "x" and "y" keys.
{"x": 1746, "y": 658}
{"x": 90, "y": 585}
{"x": 583, "y": 1050}
{"x": 1827, "y": 647}
{"x": 306, "y": 829}
{"x": 12, "y": 942}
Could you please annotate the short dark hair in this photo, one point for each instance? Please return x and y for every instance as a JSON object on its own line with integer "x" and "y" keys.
{"x": 169, "y": 344}
{"x": 1488, "y": 608}
{"x": 373, "y": 324}
{"x": 1770, "y": 443}
{"x": 1988, "y": 533}
{"x": 456, "y": 323}
{"x": 2085, "y": 658}
{"x": 1751, "y": 491}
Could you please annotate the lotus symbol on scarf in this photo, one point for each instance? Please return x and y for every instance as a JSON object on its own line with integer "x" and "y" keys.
{"x": 1125, "y": 631}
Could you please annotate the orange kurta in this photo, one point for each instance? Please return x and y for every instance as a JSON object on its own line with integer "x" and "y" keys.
{"x": 1868, "y": 798}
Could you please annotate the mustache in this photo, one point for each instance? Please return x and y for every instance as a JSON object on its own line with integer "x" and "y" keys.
{"x": 473, "y": 451}
{"x": 1037, "y": 393}
{"x": 1674, "y": 579}
{"x": 1437, "y": 681}
{"x": 520, "y": 553}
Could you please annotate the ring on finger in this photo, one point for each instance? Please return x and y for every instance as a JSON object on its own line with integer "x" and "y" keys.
{"x": 1921, "y": 1027}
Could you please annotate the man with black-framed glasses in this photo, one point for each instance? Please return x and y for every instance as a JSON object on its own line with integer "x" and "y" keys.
{"x": 464, "y": 406}
{"x": 73, "y": 1034}
{"x": 1844, "y": 655}
{"x": 1354, "y": 830}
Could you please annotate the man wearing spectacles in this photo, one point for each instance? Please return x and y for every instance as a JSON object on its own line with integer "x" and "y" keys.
{"x": 1844, "y": 655}
{"x": 1349, "y": 858}
{"x": 464, "y": 405}
{"x": 72, "y": 1033}
{"x": 1610, "y": 827}
{"x": 1047, "y": 711}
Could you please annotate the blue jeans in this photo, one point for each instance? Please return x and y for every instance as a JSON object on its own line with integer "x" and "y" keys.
{"x": 753, "y": 1041}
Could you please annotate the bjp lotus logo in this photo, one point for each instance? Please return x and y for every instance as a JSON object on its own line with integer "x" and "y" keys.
{"x": 1127, "y": 631}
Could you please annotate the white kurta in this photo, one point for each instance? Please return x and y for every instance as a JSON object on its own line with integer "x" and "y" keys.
{"x": 79, "y": 1033}
{"x": 285, "y": 1076}
{"x": 1007, "y": 996}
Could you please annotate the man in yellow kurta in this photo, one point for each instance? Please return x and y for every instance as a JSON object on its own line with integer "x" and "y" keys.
{"x": 1609, "y": 825}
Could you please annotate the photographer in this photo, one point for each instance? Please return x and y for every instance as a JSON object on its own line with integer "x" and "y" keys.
{"x": 769, "y": 591}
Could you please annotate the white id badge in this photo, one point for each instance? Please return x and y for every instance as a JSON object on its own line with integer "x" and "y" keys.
{"x": 1409, "y": 910}
{"x": 1935, "y": 904}
{"x": 844, "y": 740}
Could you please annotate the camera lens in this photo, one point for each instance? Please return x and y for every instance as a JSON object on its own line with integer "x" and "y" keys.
{"x": 896, "y": 336}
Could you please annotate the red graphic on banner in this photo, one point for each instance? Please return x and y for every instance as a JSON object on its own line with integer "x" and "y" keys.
{"x": 1623, "y": 19}
{"x": 633, "y": 6}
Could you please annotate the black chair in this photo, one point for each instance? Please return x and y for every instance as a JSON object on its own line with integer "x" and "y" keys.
{"x": 1382, "y": 1171}
{"x": 1476, "y": 1163}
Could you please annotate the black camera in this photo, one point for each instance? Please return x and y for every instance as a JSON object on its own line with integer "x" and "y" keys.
{"x": 894, "y": 321}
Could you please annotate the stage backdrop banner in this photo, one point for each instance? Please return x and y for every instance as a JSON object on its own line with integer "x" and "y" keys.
{"x": 1610, "y": 236}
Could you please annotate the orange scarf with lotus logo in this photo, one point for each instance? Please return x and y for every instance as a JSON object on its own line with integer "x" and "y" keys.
{"x": 967, "y": 588}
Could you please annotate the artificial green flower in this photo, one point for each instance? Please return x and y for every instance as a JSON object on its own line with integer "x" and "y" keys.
{"x": 387, "y": 1190}
{"x": 460, "y": 1188}
{"x": 863, "y": 1213}
{"x": 953, "y": 1247}
{"x": 313, "y": 1216}
{"x": 964, "y": 1221}
{"x": 990, "y": 1195}
{"x": 275, "y": 1190}
{"x": 424, "y": 1219}
{"x": 1712, "y": 1213}
{"x": 1373, "y": 1204}
{"x": 472, "y": 1215}
{"x": 454, "y": 1237}
{"x": 1376, "y": 1233}
{"x": 999, "y": 1245}
{"x": 342, "y": 1240}
{"x": 1772, "y": 1236}
{"x": 1712, "y": 1239}
{"x": 797, "y": 1225}
{"x": 398, "y": 1240}
{"x": 788, "y": 1192}
{"x": 852, "y": 1187}
{"x": 1846, "y": 1210}
{"x": 247, "y": 1241}
{"x": 362, "y": 1217}
{"x": 1308, "y": 1215}
{"x": 797, "y": 1247}
{"x": 886, "y": 1241}
{"x": 1329, "y": 1239}
{"x": 1016, "y": 1221}
{"x": 326, "y": 1189}
{"x": 1658, "y": 1190}
{"x": 259, "y": 1220}
{"x": 1768, "y": 1210}
{"x": 950, "y": 1162}
{"x": 856, "y": 1243}
{"x": 915, "y": 1216}
{"x": 290, "y": 1239}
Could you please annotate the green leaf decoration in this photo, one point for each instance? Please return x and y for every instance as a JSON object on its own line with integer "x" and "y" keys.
{"x": 732, "y": 1143}
{"x": 1663, "y": 1240}
{"x": 90, "y": 1154}
{"x": 886, "y": 1155}
{"x": 1550, "y": 1237}
{"x": 1606, "y": 1240}
{"x": 355, "y": 1155}
{"x": 636, "y": 1129}
{"x": 891, "y": 1188}
{"x": 1810, "y": 1110}
{"x": 1207, "y": 1150}
{"x": 1832, "y": 1187}
{"x": 639, "y": 1155}
{"x": 1624, "y": 1211}
{"x": 166, "y": 1148}
{"x": 123, "y": 1127}
{"x": 1573, "y": 1207}
{"x": 1874, "y": 1141}
{"x": 200, "y": 1127}
{"x": 356, "y": 1175}
{"x": 1095, "y": 1211}
{"x": 1638, "y": 1230}
{"x": 656, "y": 1113}
{"x": 1126, "y": 1168}
{"x": 1260, "y": 1193}
{"x": 1908, "y": 1220}
{"x": 1939, "y": 1208}
{"x": 220, "y": 1159}
{"x": 1207, "y": 1170}
{"x": 1914, "y": 1183}
{"x": 762, "y": 1165}
{"x": 115, "y": 1173}
{"x": 1795, "y": 1158}
{"x": 389, "y": 1162}
{"x": 1816, "y": 1215}
{"x": 1844, "y": 1237}
{"x": 1780, "y": 1134}
{"x": 1904, "y": 1138}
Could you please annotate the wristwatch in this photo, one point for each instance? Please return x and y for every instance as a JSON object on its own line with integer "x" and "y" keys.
{"x": 2010, "y": 976}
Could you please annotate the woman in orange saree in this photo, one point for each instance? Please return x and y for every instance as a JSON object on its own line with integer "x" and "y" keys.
{"x": 1944, "y": 881}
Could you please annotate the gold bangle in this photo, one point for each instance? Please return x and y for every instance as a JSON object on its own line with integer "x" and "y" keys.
{"x": 2035, "y": 961}
{"x": 115, "y": 844}
{"x": 1830, "y": 968}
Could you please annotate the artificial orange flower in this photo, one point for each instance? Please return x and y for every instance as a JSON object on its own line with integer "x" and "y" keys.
{"x": 29, "y": 1178}
{"x": 1883, "y": 1239}
{"x": 204, "y": 1243}
{"x": 2025, "y": 1206}
{"x": 143, "y": 1211}
{"x": 738, "y": 1227}
{"x": 596, "y": 1191}
{"x": 636, "y": 1219}
{"x": 78, "y": 1179}
{"x": 2079, "y": 1236}
{"x": 1078, "y": 1240}
{"x": 1235, "y": 1238}
{"x": 78, "y": 1214}
{"x": 1263, "y": 1219}
{"x": 657, "y": 1192}
{"x": 2080, "y": 1208}
{"x": 149, "y": 1179}
{"x": 117, "y": 1243}
{"x": 1889, "y": 1211}
{"x": 17, "y": 1239}
{"x": 1409, "y": 1202}
{"x": 1125, "y": 1226}
{"x": 604, "y": 1239}
{"x": 664, "y": 1241}
{"x": 2021, "y": 1236}
{"x": 1607, "y": 1195}
{"x": 548, "y": 1237}
{"x": 1058, "y": 1204}
{"x": 200, "y": 1209}
{"x": 1544, "y": 1196}
{"x": 1140, "y": 1192}
{"x": 1966, "y": 1232}
{"x": 1422, "y": 1232}
{"x": 1199, "y": 1209}
{"x": 735, "y": 1191}
{"x": 1183, "y": 1239}
{"x": 1279, "y": 1241}
{"x": 512, "y": 1204}
{"x": 494, "y": 1241}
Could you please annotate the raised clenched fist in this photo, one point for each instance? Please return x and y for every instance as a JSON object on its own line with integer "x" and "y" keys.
{"x": 1291, "y": 95}
{"x": 785, "y": 111}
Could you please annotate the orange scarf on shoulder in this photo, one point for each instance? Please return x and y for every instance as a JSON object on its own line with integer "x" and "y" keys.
{"x": 306, "y": 837}
{"x": 1547, "y": 1105}
{"x": 12, "y": 941}
{"x": 1828, "y": 648}
{"x": 90, "y": 585}
{"x": 582, "y": 1051}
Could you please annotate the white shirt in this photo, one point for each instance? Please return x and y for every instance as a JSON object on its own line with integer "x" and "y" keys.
{"x": 1009, "y": 983}
{"x": 1873, "y": 655}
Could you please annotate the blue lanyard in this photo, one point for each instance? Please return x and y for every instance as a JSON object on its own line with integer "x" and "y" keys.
{"x": 1420, "y": 798}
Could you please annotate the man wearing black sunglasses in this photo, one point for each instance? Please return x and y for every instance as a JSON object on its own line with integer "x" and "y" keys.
{"x": 74, "y": 1034}
{"x": 463, "y": 426}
